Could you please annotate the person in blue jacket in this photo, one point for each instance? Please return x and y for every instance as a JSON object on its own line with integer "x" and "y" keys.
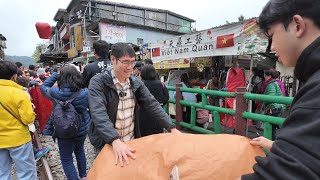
{"x": 69, "y": 82}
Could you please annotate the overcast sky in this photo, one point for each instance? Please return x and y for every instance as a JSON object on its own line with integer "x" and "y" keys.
{"x": 18, "y": 17}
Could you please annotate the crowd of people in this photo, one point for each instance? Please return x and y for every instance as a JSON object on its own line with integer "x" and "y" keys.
{"x": 93, "y": 96}
{"x": 112, "y": 102}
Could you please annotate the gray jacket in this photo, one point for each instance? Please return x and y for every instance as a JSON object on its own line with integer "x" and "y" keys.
{"x": 103, "y": 103}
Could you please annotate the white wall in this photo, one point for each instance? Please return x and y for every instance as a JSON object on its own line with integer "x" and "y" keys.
{"x": 148, "y": 36}
{"x": 285, "y": 71}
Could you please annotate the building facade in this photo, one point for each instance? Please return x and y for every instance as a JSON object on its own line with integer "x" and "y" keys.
{"x": 85, "y": 21}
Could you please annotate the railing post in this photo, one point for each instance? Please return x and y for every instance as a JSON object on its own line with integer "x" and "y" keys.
{"x": 216, "y": 121}
{"x": 241, "y": 106}
{"x": 178, "y": 97}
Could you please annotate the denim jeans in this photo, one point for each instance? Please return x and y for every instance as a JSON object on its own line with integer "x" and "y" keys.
{"x": 66, "y": 148}
{"x": 23, "y": 158}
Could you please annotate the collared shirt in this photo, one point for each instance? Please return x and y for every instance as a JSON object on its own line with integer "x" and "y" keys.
{"x": 125, "y": 114}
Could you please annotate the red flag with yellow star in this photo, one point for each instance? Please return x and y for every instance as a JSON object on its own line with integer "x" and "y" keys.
{"x": 225, "y": 41}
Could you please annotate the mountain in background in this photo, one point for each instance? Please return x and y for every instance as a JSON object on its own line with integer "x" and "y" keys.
{"x": 25, "y": 60}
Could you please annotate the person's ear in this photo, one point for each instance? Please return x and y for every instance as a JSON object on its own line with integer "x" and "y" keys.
{"x": 299, "y": 25}
{"x": 113, "y": 59}
{"x": 14, "y": 77}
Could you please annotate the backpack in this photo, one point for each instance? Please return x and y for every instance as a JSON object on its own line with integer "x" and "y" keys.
{"x": 66, "y": 120}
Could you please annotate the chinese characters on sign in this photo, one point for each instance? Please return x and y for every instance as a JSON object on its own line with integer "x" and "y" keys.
{"x": 112, "y": 33}
{"x": 237, "y": 39}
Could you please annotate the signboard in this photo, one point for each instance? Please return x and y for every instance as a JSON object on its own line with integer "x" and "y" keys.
{"x": 78, "y": 38}
{"x": 86, "y": 49}
{"x": 73, "y": 52}
{"x": 170, "y": 64}
{"x": 112, "y": 33}
{"x": 234, "y": 39}
{"x": 206, "y": 61}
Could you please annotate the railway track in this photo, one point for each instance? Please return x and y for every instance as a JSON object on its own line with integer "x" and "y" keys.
{"x": 44, "y": 168}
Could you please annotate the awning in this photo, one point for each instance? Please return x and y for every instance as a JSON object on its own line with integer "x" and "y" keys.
{"x": 55, "y": 57}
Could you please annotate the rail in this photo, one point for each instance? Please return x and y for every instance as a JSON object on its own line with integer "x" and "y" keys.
{"x": 203, "y": 105}
{"x": 241, "y": 114}
{"x": 45, "y": 171}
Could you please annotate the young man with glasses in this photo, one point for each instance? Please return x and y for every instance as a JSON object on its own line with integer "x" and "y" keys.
{"x": 114, "y": 100}
{"x": 294, "y": 26}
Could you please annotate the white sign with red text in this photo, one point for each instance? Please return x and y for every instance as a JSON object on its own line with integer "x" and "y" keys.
{"x": 112, "y": 33}
{"x": 234, "y": 39}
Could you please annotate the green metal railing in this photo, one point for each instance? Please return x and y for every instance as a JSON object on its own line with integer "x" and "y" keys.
{"x": 203, "y": 105}
{"x": 269, "y": 99}
{"x": 267, "y": 120}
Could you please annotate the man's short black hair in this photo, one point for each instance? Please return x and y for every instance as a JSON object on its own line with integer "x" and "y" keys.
{"x": 19, "y": 72}
{"x": 22, "y": 81}
{"x": 33, "y": 74}
{"x": 119, "y": 50}
{"x": 138, "y": 65}
{"x": 19, "y": 64}
{"x": 7, "y": 69}
{"x": 283, "y": 11}
{"x": 101, "y": 48}
{"x": 31, "y": 67}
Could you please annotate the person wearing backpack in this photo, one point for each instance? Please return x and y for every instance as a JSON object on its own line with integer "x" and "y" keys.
{"x": 70, "y": 118}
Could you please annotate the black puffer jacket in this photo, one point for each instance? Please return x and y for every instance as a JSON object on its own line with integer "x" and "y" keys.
{"x": 103, "y": 103}
{"x": 148, "y": 124}
{"x": 158, "y": 90}
{"x": 295, "y": 153}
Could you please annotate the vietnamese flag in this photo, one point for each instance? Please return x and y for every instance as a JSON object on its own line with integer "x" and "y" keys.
{"x": 225, "y": 41}
{"x": 155, "y": 52}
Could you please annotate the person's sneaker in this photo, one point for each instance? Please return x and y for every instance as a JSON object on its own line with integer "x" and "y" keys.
{"x": 41, "y": 152}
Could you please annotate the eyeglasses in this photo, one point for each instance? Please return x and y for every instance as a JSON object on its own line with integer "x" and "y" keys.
{"x": 126, "y": 62}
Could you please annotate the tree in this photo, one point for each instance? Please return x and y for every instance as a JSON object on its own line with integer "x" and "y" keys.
{"x": 241, "y": 17}
{"x": 37, "y": 52}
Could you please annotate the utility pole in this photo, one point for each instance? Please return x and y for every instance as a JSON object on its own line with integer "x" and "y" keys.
{"x": 86, "y": 48}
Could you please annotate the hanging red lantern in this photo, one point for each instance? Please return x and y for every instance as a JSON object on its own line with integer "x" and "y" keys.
{"x": 44, "y": 30}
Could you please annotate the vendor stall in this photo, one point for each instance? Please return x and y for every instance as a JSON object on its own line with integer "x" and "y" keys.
{"x": 233, "y": 40}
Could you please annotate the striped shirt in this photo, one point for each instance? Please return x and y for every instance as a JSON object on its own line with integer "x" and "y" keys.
{"x": 125, "y": 114}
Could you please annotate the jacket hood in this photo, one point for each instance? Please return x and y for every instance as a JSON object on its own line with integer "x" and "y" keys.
{"x": 308, "y": 62}
{"x": 4, "y": 82}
